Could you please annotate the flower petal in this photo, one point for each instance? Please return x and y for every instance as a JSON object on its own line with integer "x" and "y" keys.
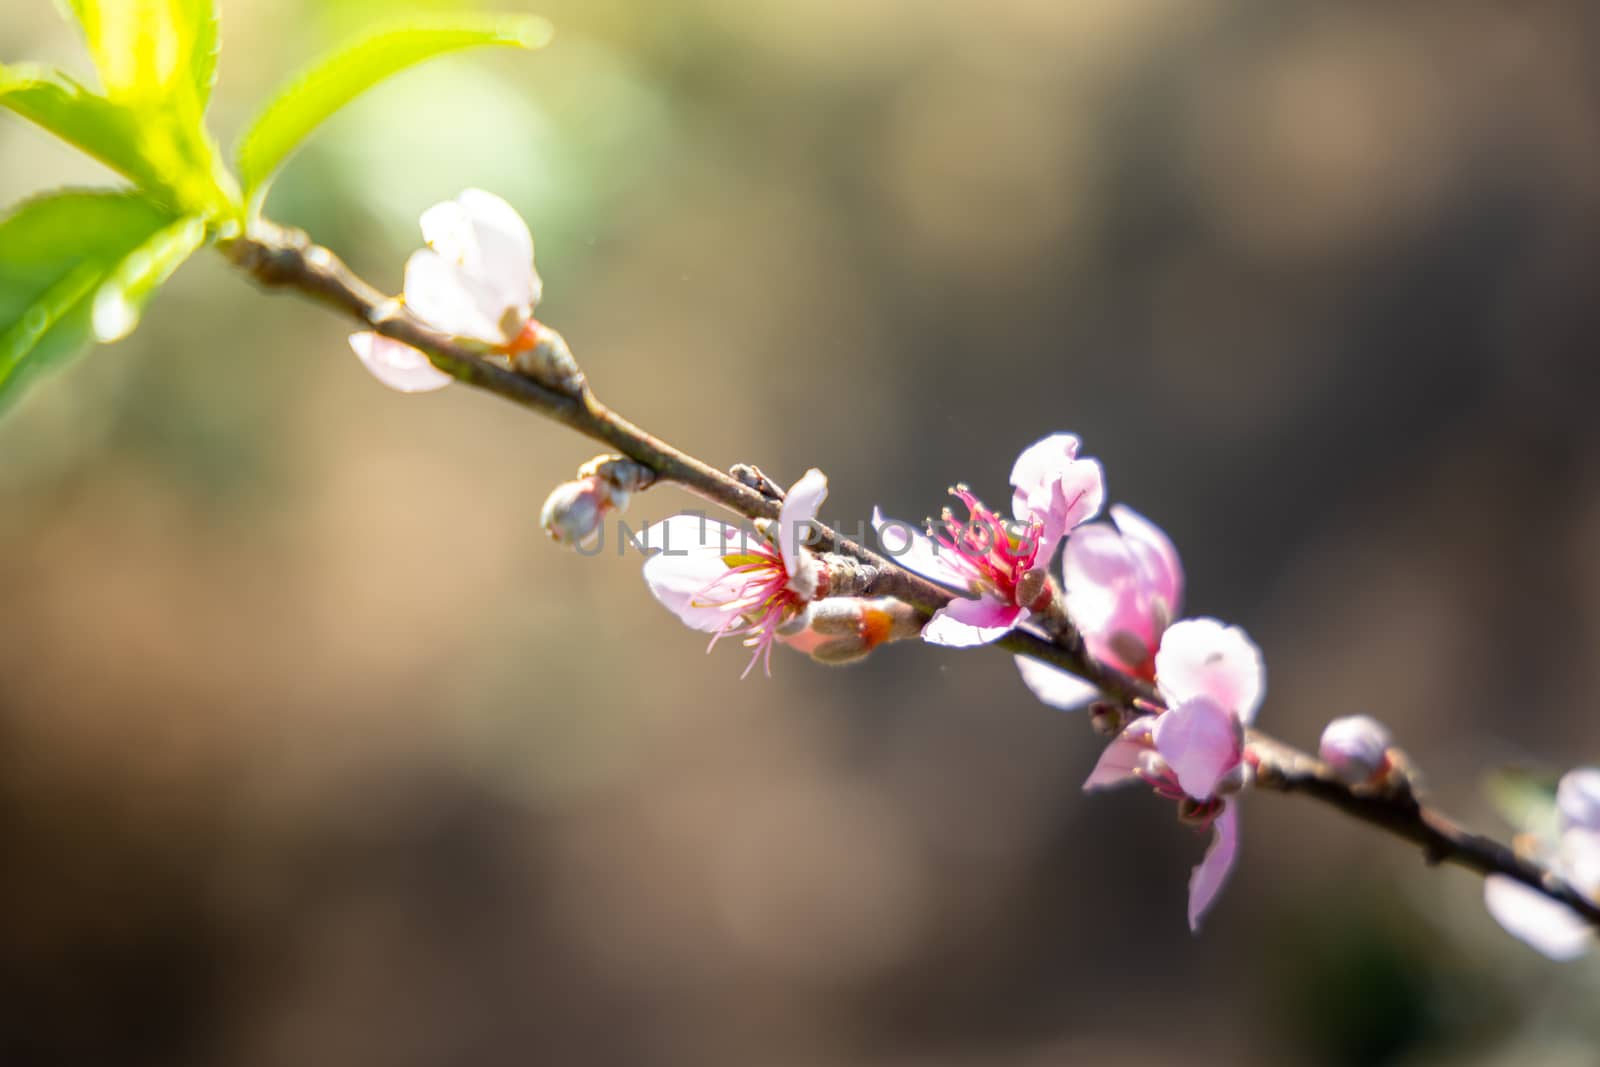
{"x": 966, "y": 623}
{"x": 915, "y": 551}
{"x": 800, "y": 506}
{"x": 399, "y": 366}
{"x": 1578, "y": 798}
{"x": 689, "y": 560}
{"x": 1212, "y": 872}
{"x": 1055, "y": 686}
{"x": 484, "y": 236}
{"x": 1160, "y": 569}
{"x": 1202, "y": 657}
{"x": 1201, "y": 741}
{"x": 1580, "y": 860}
{"x": 1122, "y": 759}
{"x": 1105, "y": 597}
{"x": 448, "y": 299}
{"x": 1554, "y": 929}
{"x": 1050, "y": 483}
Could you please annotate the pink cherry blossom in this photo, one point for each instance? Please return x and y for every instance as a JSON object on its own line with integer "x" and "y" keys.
{"x": 1549, "y": 926}
{"x": 1053, "y": 487}
{"x": 475, "y": 281}
{"x": 1212, "y": 679}
{"x": 1124, "y": 586}
{"x": 724, "y": 581}
{"x": 1000, "y": 561}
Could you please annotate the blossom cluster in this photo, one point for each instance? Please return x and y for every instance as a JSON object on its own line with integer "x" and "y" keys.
{"x": 1121, "y": 589}
{"x": 1119, "y": 592}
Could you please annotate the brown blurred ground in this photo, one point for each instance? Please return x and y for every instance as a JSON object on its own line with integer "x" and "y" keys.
{"x": 313, "y": 751}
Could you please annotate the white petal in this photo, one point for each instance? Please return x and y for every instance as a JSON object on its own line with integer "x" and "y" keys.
{"x": 446, "y": 298}
{"x": 800, "y": 506}
{"x": 1202, "y": 657}
{"x": 1578, "y": 798}
{"x": 1580, "y": 860}
{"x": 507, "y": 246}
{"x": 968, "y": 623}
{"x": 1054, "y": 686}
{"x": 690, "y": 534}
{"x": 399, "y": 366}
{"x": 1554, "y": 929}
{"x": 1212, "y": 872}
{"x": 915, "y": 551}
{"x": 689, "y": 558}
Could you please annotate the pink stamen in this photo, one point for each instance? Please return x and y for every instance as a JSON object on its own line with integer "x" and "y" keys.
{"x": 987, "y": 548}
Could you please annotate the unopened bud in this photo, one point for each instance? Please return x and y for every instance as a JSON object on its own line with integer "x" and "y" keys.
{"x": 1033, "y": 589}
{"x": 548, "y": 360}
{"x": 1356, "y": 747}
{"x": 853, "y": 626}
{"x": 1106, "y": 718}
{"x": 1234, "y": 780}
{"x": 619, "y": 472}
{"x": 574, "y": 511}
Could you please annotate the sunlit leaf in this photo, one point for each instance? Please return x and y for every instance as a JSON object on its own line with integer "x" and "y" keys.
{"x": 85, "y": 120}
{"x": 157, "y": 60}
{"x": 309, "y": 99}
{"x": 77, "y": 264}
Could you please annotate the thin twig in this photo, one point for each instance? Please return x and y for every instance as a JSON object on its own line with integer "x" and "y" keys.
{"x": 278, "y": 257}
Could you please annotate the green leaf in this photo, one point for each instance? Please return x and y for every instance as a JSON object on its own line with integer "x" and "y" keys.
{"x": 108, "y": 132}
{"x": 150, "y": 50}
{"x": 75, "y": 266}
{"x": 157, "y": 60}
{"x": 309, "y": 99}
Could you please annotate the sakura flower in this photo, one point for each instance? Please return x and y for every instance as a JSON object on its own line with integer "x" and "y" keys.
{"x": 1549, "y": 926}
{"x": 1212, "y": 679}
{"x": 1124, "y": 586}
{"x": 1002, "y": 562}
{"x": 1052, "y": 486}
{"x": 475, "y": 281}
{"x": 721, "y": 580}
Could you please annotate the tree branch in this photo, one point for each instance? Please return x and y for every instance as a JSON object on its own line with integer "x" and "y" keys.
{"x": 283, "y": 258}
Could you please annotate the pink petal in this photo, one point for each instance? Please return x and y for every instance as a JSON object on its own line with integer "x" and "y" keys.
{"x": 1201, "y": 741}
{"x": 1054, "y": 686}
{"x": 448, "y": 299}
{"x": 1554, "y": 929}
{"x": 1578, "y": 798}
{"x": 1105, "y": 596}
{"x": 1212, "y": 872}
{"x": 690, "y": 560}
{"x": 966, "y": 623}
{"x": 1159, "y": 566}
{"x": 1052, "y": 485}
{"x": 1202, "y": 657}
{"x": 399, "y": 366}
{"x": 915, "y": 551}
{"x": 1122, "y": 759}
{"x": 800, "y": 506}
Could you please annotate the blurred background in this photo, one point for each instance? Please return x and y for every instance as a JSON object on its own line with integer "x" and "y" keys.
{"x": 314, "y": 751}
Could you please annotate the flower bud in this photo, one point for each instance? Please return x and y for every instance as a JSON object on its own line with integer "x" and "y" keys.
{"x": 1033, "y": 589}
{"x": 548, "y": 360}
{"x": 574, "y": 511}
{"x": 1106, "y": 718}
{"x": 1356, "y": 747}
{"x": 621, "y": 473}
